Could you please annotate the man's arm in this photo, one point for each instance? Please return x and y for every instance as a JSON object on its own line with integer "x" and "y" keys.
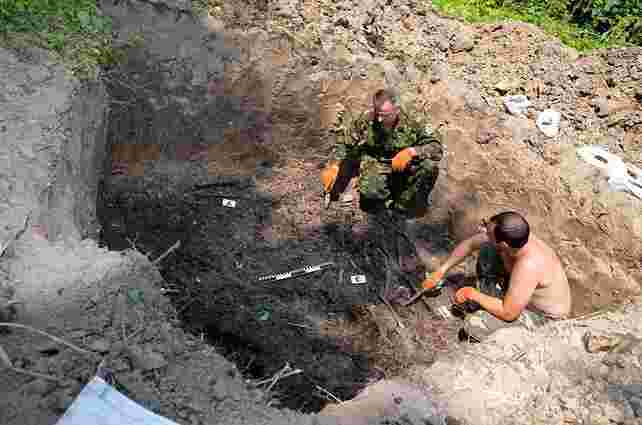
{"x": 523, "y": 282}
{"x": 463, "y": 250}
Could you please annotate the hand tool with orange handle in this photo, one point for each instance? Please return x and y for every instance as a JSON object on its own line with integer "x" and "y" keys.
{"x": 434, "y": 282}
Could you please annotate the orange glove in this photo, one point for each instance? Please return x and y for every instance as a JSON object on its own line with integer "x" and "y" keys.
{"x": 329, "y": 175}
{"x": 432, "y": 280}
{"x": 466, "y": 293}
{"x": 402, "y": 159}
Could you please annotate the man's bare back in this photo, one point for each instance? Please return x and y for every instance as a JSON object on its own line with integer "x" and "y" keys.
{"x": 552, "y": 296}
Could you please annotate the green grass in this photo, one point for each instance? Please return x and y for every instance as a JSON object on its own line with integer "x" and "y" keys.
{"x": 72, "y": 29}
{"x": 486, "y": 11}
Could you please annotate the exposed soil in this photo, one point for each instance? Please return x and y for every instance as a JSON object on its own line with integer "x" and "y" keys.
{"x": 225, "y": 109}
{"x": 268, "y": 161}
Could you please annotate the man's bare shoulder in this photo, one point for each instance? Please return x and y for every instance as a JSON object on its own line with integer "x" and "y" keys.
{"x": 478, "y": 239}
{"x": 538, "y": 258}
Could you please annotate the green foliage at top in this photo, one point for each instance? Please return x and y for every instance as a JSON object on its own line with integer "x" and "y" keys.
{"x": 582, "y": 24}
{"x": 71, "y": 28}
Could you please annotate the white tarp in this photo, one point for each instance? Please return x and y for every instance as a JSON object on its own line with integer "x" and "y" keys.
{"x": 100, "y": 404}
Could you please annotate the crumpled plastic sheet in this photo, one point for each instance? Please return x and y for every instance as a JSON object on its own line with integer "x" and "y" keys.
{"x": 101, "y": 404}
{"x": 548, "y": 122}
{"x": 621, "y": 177}
{"x": 517, "y": 105}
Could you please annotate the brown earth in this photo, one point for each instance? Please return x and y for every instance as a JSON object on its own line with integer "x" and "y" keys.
{"x": 343, "y": 336}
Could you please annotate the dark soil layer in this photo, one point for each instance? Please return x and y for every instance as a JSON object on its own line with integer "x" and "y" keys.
{"x": 215, "y": 274}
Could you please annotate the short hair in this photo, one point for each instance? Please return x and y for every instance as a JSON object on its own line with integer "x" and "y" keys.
{"x": 512, "y": 228}
{"x": 382, "y": 96}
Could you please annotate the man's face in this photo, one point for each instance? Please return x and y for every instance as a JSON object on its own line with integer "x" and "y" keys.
{"x": 489, "y": 227}
{"x": 387, "y": 114}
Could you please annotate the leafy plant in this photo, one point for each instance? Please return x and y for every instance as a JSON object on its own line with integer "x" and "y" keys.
{"x": 582, "y": 24}
{"x": 73, "y": 29}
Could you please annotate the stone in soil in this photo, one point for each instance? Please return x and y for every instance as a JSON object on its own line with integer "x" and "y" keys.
{"x": 601, "y": 106}
{"x": 145, "y": 359}
{"x": 462, "y": 41}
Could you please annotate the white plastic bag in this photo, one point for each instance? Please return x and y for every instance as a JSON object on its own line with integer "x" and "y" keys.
{"x": 548, "y": 122}
{"x": 517, "y": 105}
{"x": 621, "y": 177}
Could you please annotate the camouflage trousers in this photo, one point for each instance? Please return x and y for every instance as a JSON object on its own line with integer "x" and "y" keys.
{"x": 408, "y": 192}
{"x": 493, "y": 281}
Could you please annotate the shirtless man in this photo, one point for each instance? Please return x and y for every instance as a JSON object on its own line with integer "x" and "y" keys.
{"x": 521, "y": 279}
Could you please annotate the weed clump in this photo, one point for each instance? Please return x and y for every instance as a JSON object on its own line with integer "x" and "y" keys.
{"x": 74, "y": 30}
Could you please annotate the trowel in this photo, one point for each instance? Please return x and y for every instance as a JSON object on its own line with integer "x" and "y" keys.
{"x": 423, "y": 292}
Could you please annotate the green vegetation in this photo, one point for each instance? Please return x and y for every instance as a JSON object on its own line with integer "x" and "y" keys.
{"x": 73, "y": 29}
{"x": 582, "y": 24}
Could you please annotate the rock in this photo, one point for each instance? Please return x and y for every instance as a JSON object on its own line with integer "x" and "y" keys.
{"x": 392, "y": 75}
{"x": 145, "y": 359}
{"x": 507, "y": 85}
{"x": 486, "y": 135}
{"x": 412, "y": 72}
{"x": 100, "y": 345}
{"x": 462, "y": 41}
{"x": 438, "y": 72}
{"x": 601, "y": 106}
{"x": 39, "y": 387}
{"x": 584, "y": 86}
{"x": 342, "y": 22}
{"x": 442, "y": 43}
{"x": 194, "y": 420}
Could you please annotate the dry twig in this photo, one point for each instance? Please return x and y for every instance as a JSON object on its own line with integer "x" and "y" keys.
{"x": 332, "y": 396}
{"x": 55, "y": 338}
{"x": 166, "y": 253}
{"x": 12, "y": 239}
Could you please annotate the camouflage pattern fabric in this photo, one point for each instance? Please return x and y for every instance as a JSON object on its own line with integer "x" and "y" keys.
{"x": 493, "y": 281}
{"x": 361, "y": 139}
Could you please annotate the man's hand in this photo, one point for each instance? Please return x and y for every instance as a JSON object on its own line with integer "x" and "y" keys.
{"x": 329, "y": 175}
{"x": 402, "y": 159}
{"x": 466, "y": 293}
{"x": 432, "y": 280}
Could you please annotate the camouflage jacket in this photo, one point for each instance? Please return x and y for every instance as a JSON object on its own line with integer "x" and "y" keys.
{"x": 358, "y": 136}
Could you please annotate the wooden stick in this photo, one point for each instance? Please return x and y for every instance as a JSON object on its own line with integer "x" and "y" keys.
{"x": 166, "y": 253}
{"x": 55, "y": 338}
{"x": 299, "y": 325}
{"x": 18, "y": 235}
{"x": 37, "y": 375}
{"x": 335, "y": 398}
